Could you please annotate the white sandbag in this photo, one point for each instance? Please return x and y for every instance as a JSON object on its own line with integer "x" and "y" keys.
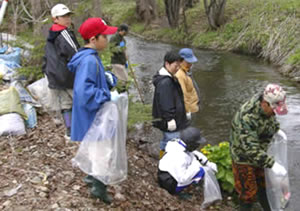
{"x": 12, "y": 124}
{"x": 102, "y": 153}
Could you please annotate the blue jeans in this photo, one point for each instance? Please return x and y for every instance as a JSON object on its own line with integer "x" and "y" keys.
{"x": 167, "y": 136}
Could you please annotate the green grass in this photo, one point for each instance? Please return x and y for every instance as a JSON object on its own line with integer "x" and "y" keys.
{"x": 138, "y": 113}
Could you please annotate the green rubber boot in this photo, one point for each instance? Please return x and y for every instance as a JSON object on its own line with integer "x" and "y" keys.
{"x": 245, "y": 206}
{"x": 89, "y": 180}
{"x": 98, "y": 190}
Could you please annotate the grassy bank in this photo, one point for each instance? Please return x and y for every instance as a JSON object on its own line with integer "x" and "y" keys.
{"x": 269, "y": 29}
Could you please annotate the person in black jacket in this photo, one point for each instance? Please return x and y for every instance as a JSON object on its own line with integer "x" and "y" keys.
{"x": 168, "y": 108}
{"x": 61, "y": 45}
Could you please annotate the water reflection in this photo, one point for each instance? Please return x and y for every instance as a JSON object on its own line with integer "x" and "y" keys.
{"x": 226, "y": 81}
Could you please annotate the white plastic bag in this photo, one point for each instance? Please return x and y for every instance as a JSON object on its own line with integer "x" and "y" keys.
{"x": 211, "y": 188}
{"x": 40, "y": 91}
{"x": 277, "y": 187}
{"x": 12, "y": 124}
{"x": 102, "y": 152}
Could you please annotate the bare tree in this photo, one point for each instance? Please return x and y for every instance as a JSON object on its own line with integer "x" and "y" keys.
{"x": 146, "y": 10}
{"x": 190, "y": 3}
{"x": 36, "y": 15}
{"x": 16, "y": 13}
{"x": 172, "y": 11}
{"x": 96, "y": 8}
{"x": 215, "y": 12}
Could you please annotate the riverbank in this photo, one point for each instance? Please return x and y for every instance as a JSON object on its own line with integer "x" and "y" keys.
{"x": 267, "y": 29}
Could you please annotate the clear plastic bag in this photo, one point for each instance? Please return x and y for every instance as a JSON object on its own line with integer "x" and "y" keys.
{"x": 211, "y": 188}
{"x": 102, "y": 152}
{"x": 40, "y": 91}
{"x": 277, "y": 187}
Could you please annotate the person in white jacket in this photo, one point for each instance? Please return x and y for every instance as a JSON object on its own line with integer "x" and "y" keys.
{"x": 182, "y": 165}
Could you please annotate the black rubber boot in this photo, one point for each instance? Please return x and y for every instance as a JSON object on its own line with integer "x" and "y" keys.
{"x": 263, "y": 200}
{"x": 89, "y": 180}
{"x": 98, "y": 190}
{"x": 245, "y": 206}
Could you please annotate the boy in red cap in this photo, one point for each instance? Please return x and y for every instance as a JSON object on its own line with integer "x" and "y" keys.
{"x": 91, "y": 87}
{"x": 60, "y": 47}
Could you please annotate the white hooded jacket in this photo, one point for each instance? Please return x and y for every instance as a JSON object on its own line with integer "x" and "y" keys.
{"x": 181, "y": 164}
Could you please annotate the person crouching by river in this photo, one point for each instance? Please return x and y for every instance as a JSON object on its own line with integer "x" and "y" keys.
{"x": 182, "y": 165}
{"x": 91, "y": 87}
{"x": 168, "y": 105}
{"x": 252, "y": 129}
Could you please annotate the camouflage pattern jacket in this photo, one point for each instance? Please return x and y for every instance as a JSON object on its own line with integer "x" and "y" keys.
{"x": 251, "y": 133}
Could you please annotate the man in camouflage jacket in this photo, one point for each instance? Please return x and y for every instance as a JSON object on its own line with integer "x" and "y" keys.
{"x": 252, "y": 129}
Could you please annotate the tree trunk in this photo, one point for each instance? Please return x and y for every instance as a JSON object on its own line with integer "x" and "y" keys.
{"x": 146, "y": 10}
{"x": 97, "y": 12}
{"x": 172, "y": 11}
{"x": 36, "y": 10}
{"x": 215, "y": 10}
{"x": 190, "y": 3}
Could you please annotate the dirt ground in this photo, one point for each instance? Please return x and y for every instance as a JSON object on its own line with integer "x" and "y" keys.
{"x": 37, "y": 174}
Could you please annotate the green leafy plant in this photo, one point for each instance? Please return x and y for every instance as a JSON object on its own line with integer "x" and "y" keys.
{"x": 220, "y": 155}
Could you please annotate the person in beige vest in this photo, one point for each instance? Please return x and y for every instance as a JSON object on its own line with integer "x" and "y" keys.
{"x": 191, "y": 99}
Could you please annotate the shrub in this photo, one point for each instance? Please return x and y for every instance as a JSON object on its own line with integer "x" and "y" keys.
{"x": 220, "y": 155}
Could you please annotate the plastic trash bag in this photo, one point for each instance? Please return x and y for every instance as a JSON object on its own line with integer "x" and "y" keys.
{"x": 40, "y": 91}
{"x": 277, "y": 187}
{"x": 30, "y": 111}
{"x": 12, "y": 55}
{"x": 24, "y": 95}
{"x": 211, "y": 188}
{"x": 102, "y": 152}
{"x": 12, "y": 124}
{"x": 10, "y": 102}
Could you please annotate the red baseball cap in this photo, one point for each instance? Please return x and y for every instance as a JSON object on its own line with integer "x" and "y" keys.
{"x": 93, "y": 26}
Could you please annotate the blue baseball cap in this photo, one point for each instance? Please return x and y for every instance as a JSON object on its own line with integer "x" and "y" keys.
{"x": 188, "y": 55}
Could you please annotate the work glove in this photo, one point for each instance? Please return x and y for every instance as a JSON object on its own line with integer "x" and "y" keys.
{"x": 189, "y": 115}
{"x": 109, "y": 79}
{"x": 278, "y": 169}
{"x": 200, "y": 157}
{"x": 212, "y": 166}
{"x": 282, "y": 134}
{"x": 171, "y": 125}
{"x": 204, "y": 161}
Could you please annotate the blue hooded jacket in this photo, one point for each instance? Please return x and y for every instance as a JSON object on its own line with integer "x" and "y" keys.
{"x": 90, "y": 91}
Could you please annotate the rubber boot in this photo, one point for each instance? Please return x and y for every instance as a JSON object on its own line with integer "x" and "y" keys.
{"x": 89, "y": 180}
{"x": 161, "y": 153}
{"x": 98, "y": 190}
{"x": 263, "y": 200}
{"x": 245, "y": 206}
{"x": 184, "y": 196}
{"x": 67, "y": 116}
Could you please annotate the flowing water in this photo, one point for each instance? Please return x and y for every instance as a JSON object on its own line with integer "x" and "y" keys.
{"x": 225, "y": 81}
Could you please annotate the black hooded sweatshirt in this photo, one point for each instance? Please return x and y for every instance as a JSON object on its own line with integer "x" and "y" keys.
{"x": 168, "y": 103}
{"x": 60, "y": 47}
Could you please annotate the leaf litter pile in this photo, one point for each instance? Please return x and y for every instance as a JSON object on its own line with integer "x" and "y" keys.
{"x": 37, "y": 174}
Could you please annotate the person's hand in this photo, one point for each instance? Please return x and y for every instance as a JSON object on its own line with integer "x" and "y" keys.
{"x": 212, "y": 166}
{"x": 109, "y": 78}
{"x": 189, "y": 115}
{"x": 171, "y": 125}
{"x": 278, "y": 169}
{"x": 200, "y": 157}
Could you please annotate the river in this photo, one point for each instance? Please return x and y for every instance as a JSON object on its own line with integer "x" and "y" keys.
{"x": 225, "y": 81}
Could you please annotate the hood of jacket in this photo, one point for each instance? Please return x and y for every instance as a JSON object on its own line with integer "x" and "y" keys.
{"x": 54, "y": 31}
{"x": 175, "y": 145}
{"x": 161, "y": 74}
{"x": 79, "y": 56}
